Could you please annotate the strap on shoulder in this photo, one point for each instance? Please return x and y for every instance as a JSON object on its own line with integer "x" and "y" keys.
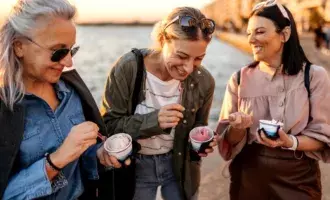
{"x": 307, "y": 86}
{"x": 138, "y": 79}
{"x": 238, "y": 74}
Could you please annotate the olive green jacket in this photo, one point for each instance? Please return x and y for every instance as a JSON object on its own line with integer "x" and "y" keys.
{"x": 197, "y": 99}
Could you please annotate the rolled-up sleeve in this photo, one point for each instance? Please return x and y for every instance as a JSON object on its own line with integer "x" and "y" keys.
{"x": 319, "y": 127}
{"x": 33, "y": 182}
{"x": 229, "y": 105}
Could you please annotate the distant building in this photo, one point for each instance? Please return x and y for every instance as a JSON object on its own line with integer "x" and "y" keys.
{"x": 233, "y": 14}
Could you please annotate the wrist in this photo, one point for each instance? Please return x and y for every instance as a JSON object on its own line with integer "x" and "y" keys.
{"x": 293, "y": 144}
{"x": 57, "y": 160}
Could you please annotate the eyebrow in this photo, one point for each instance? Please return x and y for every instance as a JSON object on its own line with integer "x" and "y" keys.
{"x": 257, "y": 28}
{"x": 189, "y": 55}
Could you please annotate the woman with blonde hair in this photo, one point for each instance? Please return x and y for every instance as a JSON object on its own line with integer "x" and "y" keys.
{"x": 174, "y": 96}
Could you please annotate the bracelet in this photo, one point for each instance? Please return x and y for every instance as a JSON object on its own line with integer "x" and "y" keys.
{"x": 51, "y": 164}
{"x": 294, "y": 145}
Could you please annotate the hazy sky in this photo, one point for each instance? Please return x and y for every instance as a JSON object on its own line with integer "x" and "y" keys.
{"x": 120, "y": 10}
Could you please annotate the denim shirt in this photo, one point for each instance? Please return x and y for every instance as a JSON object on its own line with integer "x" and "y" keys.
{"x": 44, "y": 132}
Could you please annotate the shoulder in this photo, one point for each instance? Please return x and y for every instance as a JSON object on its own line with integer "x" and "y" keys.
{"x": 125, "y": 64}
{"x": 319, "y": 76}
{"x": 204, "y": 77}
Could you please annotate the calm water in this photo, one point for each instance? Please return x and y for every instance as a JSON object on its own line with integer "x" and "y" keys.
{"x": 101, "y": 46}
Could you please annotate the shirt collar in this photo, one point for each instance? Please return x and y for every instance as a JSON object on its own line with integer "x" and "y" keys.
{"x": 60, "y": 86}
{"x": 269, "y": 71}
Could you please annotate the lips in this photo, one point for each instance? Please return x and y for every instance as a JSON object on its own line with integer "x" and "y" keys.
{"x": 181, "y": 72}
{"x": 257, "y": 49}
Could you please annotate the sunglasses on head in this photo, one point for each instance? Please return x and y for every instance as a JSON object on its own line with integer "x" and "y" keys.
{"x": 59, "y": 54}
{"x": 206, "y": 25}
{"x": 270, "y": 3}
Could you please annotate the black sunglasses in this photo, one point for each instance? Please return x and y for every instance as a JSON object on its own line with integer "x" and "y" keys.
{"x": 206, "y": 25}
{"x": 59, "y": 54}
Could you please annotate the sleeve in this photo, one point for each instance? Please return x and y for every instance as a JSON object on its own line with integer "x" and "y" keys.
{"x": 319, "y": 127}
{"x": 116, "y": 101}
{"x": 203, "y": 112}
{"x": 229, "y": 105}
{"x": 33, "y": 182}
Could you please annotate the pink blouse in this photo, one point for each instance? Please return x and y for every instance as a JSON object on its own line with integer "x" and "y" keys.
{"x": 268, "y": 94}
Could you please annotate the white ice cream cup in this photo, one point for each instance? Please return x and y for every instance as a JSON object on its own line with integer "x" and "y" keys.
{"x": 122, "y": 152}
{"x": 201, "y": 145}
{"x": 270, "y": 127}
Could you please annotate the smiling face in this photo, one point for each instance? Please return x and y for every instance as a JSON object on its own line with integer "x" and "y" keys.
{"x": 266, "y": 42}
{"x": 36, "y": 60}
{"x": 181, "y": 57}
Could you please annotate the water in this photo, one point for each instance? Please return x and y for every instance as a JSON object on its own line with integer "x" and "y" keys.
{"x": 101, "y": 46}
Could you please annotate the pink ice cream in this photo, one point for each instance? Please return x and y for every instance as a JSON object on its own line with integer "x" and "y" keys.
{"x": 201, "y": 135}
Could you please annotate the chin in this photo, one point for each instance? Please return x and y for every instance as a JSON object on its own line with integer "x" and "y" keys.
{"x": 257, "y": 57}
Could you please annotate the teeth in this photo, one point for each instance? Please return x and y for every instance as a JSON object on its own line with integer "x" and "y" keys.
{"x": 181, "y": 72}
{"x": 257, "y": 48}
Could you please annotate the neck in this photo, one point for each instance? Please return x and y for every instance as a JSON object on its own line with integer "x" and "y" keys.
{"x": 34, "y": 86}
{"x": 157, "y": 67}
{"x": 273, "y": 63}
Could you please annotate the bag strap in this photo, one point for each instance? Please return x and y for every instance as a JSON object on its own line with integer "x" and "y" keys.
{"x": 138, "y": 79}
{"x": 307, "y": 86}
{"x": 238, "y": 74}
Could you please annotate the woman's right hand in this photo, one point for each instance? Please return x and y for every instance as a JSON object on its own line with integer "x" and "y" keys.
{"x": 80, "y": 138}
{"x": 170, "y": 115}
{"x": 239, "y": 120}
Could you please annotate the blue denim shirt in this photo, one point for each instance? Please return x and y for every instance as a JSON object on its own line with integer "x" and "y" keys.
{"x": 44, "y": 132}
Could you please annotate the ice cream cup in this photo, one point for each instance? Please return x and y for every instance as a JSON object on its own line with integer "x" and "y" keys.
{"x": 270, "y": 128}
{"x": 119, "y": 146}
{"x": 200, "y": 138}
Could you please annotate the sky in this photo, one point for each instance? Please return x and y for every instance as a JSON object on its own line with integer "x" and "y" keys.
{"x": 120, "y": 10}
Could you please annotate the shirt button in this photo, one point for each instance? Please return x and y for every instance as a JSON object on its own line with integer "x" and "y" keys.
{"x": 281, "y": 89}
{"x": 193, "y": 110}
{"x": 191, "y": 85}
{"x": 199, "y": 72}
{"x": 179, "y": 153}
{"x": 184, "y": 121}
{"x": 281, "y": 104}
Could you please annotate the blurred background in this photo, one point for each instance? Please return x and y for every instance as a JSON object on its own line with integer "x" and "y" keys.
{"x": 106, "y": 29}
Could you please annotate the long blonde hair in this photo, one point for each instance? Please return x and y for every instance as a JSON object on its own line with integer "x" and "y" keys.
{"x": 22, "y": 21}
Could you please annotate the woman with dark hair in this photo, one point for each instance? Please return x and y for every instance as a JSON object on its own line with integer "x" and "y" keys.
{"x": 283, "y": 87}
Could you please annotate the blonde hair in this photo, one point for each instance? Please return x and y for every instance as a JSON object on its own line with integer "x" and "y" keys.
{"x": 175, "y": 31}
{"x": 25, "y": 18}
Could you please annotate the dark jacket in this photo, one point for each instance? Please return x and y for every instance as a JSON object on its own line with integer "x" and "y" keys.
{"x": 197, "y": 99}
{"x": 12, "y": 128}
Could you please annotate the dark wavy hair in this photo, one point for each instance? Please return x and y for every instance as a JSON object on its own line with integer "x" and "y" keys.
{"x": 293, "y": 56}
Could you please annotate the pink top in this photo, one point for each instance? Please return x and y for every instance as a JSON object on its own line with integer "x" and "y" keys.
{"x": 268, "y": 94}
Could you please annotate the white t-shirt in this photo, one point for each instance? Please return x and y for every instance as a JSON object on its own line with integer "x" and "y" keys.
{"x": 158, "y": 94}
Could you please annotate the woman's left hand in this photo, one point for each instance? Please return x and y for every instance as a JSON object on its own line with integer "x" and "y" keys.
{"x": 210, "y": 148}
{"x": 284, "y": 140}
{"x": 109, "y": 161}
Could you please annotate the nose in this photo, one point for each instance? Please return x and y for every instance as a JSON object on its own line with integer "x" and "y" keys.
{"x": 251, "y": 38}
{"x": 67, "y": 61}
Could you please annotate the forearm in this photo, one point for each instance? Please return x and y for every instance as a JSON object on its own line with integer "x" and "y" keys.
{"x": 234, "y": 136}
{"x": 309, "y": 144}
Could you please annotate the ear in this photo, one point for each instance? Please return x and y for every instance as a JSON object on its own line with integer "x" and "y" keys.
{"x": 18, "y": 48}
{"x": 286, "y": 34}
